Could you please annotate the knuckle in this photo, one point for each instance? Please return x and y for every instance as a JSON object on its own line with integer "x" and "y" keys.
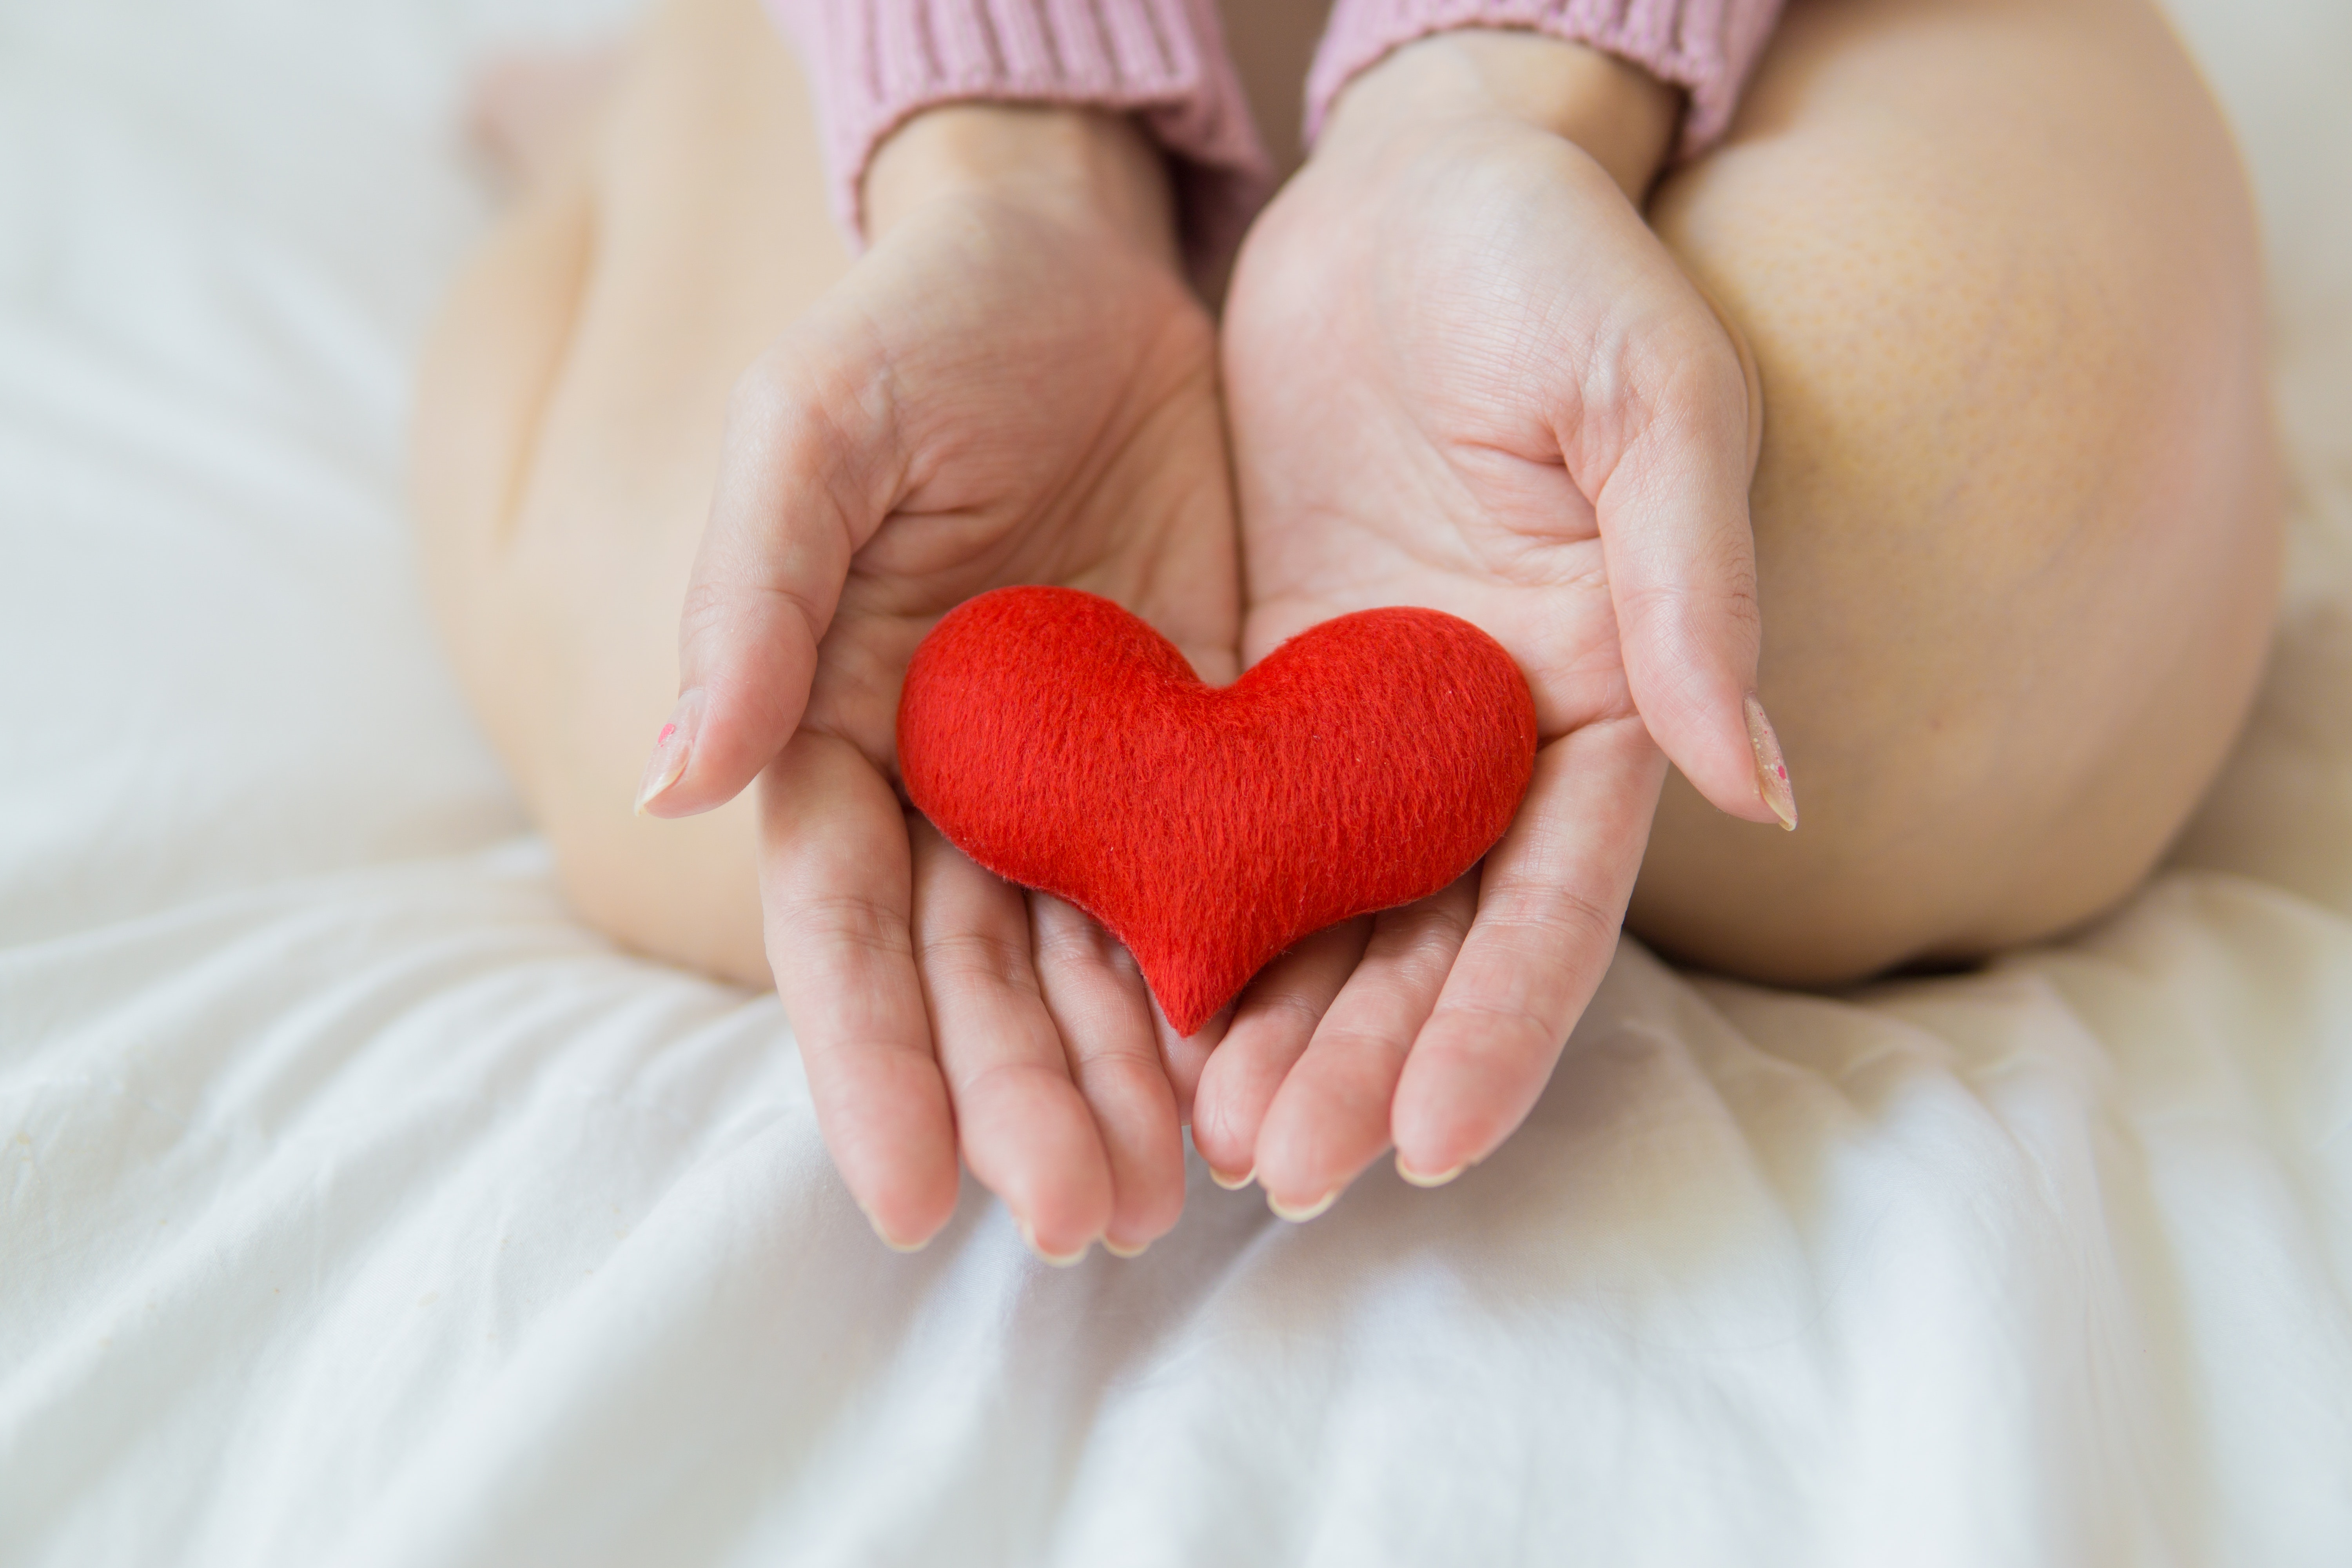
{"x": 1545, "y": 930}
{"x": 1693, "y": 611}
{"x": 1219, "y": 1128}
{"x": 1100, "y": 1056}
{"x": 1436, "y": 922}
{"x": 1067, "y": 935}
{"x": 1358, "y": 1040}
{"x": 766, "y": 396}
{"x": 1575, "y": 919}
{"x": 1008, "y": 1074}
{"x": 976, "y": 957}
{"x": 717, "y": 613}
{"x": 811, "y": 404}
{"x": 853, "y": 922}
{"x": 1686, "y": 381}
{"x": 1482, "y": 1032}
{"x": 1281, "y": 1007}
{"x": 707, "y": 609}
{"x": 1686, "y": 625}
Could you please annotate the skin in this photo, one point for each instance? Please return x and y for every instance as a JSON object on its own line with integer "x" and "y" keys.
{"x": 1014, "y": 385}
{"x": 1550, "y": 434}
{"x": 919, "y": 985}
{"x": 1475, "y": 355}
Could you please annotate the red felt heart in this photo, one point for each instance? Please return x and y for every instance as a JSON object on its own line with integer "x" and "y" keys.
{"x": 1064, "y": 745}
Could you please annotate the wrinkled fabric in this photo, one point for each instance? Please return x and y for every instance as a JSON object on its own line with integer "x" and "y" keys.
{"x": 358, "y": 1206}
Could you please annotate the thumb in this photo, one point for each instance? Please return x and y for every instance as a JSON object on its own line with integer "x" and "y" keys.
{"x": 1681, "y": 557}
{"x": 801, "y": 488}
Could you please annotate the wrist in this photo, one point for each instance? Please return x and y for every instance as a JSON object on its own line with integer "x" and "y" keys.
{"x": 1089, "y": 164}
{"x": 1619, "y": 114}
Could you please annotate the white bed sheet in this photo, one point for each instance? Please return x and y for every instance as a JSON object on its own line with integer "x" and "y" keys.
{"x": 362, "y": 1208}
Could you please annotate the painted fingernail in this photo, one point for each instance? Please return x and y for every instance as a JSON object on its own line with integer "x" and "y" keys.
{"x": 1116, "y": 1250}
{"x": 1418, "y": 1180}
{"x": 1232, "y": 1184}
{"x": 1059, "y": 1260}
{"x": 1301, "y": 1216}
{"x": 1771, "y": 767}
{"x": 672, "y": 749}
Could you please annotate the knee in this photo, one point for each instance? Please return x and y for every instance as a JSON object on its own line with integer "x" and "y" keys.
{"x": 1996, "y": 719}
{"x": 2016, "y": 543}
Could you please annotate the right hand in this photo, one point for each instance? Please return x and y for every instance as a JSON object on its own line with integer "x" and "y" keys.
{"x": 1014, "y": 385}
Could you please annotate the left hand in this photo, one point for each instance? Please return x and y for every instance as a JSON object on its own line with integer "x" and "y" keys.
{"x": 1463, "y": 373}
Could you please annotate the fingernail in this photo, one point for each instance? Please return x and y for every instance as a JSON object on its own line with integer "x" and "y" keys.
{"x": 1771, "y": 767}
{"x": 1116, "y": 1250}
{"x": 1232, "y": 1184}
{"x": 892, "y": 1242}
{"x": 1301, "y": 1216}
{"x": 1059, "y": 1260}
{"x": 1418, "y": 1180}
{"x": 672, "y": 749}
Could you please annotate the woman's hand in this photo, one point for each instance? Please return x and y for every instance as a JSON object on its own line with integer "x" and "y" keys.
{"x": 1014, "y": 385}
{"x": 1463, "y": 373}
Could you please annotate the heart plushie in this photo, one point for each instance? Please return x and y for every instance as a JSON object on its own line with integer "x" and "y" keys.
{"x": 1064, "y": 745}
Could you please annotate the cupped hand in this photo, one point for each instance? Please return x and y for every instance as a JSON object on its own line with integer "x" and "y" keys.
{"x": 1463, "y": 373}
{"x": 1014, "y": 385}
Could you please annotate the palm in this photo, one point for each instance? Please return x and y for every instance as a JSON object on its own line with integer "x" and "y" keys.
{"x": 1441, "y": 355}
{"x": 1423, "y": 424}
{"x": 1090, "y": 454}
{"x": 998, "y": 392}
{"x": 1503, "y": 541}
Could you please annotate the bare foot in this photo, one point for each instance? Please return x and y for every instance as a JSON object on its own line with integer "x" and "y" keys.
{"x": 529, "y": 113}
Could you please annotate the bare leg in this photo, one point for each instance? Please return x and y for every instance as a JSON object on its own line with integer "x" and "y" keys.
{"x": 568, "y": 434}
{"x": 534, "y": 114}
{"x": 2015, "y": 516}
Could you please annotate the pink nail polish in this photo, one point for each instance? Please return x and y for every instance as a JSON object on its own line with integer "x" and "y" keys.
{"x": 1771, "y": 767}
{"x": 672, "y": 749}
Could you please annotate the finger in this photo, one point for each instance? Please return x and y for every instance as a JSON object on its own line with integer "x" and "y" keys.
{"x": 1271, "y": 1025}
{"x": 1097, "y": 998}
{"x": 1549, "y": 908}
{"x": 1027, "y": 1133}
{"x": 806, "y": 476}
{"x": 1330, "y": 1118}
{"x": 1674, "y": 530}
{"x": 835, "y": 884}
{"x": 1182, "y": 1056}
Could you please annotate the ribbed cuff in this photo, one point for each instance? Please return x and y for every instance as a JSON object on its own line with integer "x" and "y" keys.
{"x": 873, "y": 63}
{"x": 1704, "y": 46}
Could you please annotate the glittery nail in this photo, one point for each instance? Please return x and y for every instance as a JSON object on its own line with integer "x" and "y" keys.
{"x": 672, "y": 749}
{"x": 1771, "y": 767}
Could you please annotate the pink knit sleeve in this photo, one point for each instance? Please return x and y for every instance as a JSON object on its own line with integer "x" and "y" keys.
{"x": 1703, "y": 46}
{"x": 873, "y": 63}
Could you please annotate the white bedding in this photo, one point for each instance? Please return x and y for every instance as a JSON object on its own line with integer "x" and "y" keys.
{"x": 359, "y": 1207}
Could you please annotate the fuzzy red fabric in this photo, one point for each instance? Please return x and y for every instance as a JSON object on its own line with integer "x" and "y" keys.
{"x": 1064, "y": 745}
